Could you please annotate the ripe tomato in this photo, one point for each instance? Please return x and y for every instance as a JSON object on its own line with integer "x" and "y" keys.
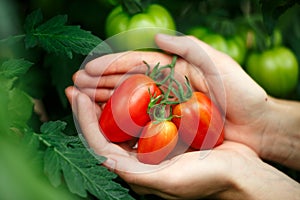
{"x": 157, "y": 141}
{"x": 125, "y": 113}
{"x": 199, "y": 122}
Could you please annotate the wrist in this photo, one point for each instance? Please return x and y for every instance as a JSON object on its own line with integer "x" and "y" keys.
{"x": 257, "y": 180}
{"x": 281, "y": 136}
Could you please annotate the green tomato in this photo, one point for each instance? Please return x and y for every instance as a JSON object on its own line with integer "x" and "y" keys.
{"x": 236, "y": 48}
{"x": 276, "y": 70}
{"x": 138, "y": 30}
{"x": 198, "y": 31}
{"x": 217, "y": 41}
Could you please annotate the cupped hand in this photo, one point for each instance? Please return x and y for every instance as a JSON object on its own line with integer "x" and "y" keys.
{"x": 242, "y": 100}
{"x": 187, "y": 176}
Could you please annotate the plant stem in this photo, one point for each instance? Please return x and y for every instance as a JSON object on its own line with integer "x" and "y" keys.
{"x": 159, "y": 106}
{"x": 13, "y": 38}
{"x": 171, "y": 78}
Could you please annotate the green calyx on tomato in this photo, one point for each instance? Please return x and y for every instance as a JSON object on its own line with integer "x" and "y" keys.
{"x": 138, "y": 30}
{"x": 234, "y": 46}
{"x": 276, "y": 70}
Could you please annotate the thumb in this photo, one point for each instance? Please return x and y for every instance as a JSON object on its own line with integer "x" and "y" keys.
{"x": 189, "y": 48}
{"x": 201, "y": 56}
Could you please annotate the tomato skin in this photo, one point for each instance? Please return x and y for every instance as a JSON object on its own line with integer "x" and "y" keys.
{"x": 157, "y": 141}
{"x": 138, "y": 30}
{"x": 276, "y": 70}
{"x": 125, "y": 113}
{"x": 195, "y": 118}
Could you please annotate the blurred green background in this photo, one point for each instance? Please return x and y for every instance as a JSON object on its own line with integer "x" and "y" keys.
{"x": 21, "y": 174}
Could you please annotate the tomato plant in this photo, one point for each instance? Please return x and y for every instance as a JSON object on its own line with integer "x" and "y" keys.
{"x": 138, "y": 30}
{"x": 125, "y": 113}
{"x": 157, "y": 141}
{"x": 199, "y": 122}
{"x": 276, "y": 70}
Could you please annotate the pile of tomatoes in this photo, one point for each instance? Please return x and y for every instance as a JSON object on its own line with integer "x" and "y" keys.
{"x": 155, "y": 113}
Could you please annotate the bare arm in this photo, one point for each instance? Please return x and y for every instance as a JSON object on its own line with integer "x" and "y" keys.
{"x": 281, "y": 141}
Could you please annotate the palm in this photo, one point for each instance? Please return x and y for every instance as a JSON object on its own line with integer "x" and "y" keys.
{"x": 198, "y": 169}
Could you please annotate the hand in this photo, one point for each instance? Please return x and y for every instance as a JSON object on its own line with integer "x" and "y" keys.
{"x": 241, "y": 99}
{"x": 230, "y": 171}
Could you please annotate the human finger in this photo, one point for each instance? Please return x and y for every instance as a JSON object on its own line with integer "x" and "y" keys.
{"x": 99, "y": 95}
{"x": 198, "y": 54}
{"x": 84, "y": 80}
{"x": 126, "y": 62}
{"x": 88, "y": 120}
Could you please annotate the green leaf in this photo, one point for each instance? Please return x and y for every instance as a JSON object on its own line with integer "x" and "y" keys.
{"x": 34, "y": 82}
{"x": 52, "y": 167}
{"x": 4, "y": 125}
{"x": 61, "y": 70}
{"x": 14, "y": 67}
{"x": 20, "y": 108}
{"x": 20, "y": 178}
{"x": 57, "y": 37}
{"x": 66, "y": 157}
{"x": 32, "y": 142}
{"x": 32, "y": 20}
{"x": 6, "y": 83}
{"x": 53, "y": 127}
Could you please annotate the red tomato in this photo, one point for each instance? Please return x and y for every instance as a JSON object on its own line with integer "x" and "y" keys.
{"x": 157, "y": 141}
{"x": 199, "y": 122}
{"x": 125, "y": 113}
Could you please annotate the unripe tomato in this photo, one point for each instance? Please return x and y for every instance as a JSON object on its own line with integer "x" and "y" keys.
{"x": 236, "y": 48}
{"x": 198, "y": 31}
{"x": 233, "y": 46}
{"x": 217, "y": 41}
{"x": 138, "y": 30}
{"x": 276, "y": 70}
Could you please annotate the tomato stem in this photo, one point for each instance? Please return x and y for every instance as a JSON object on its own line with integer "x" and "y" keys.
{"x": 132, "y": 7}
{"x": 174, "y": 94}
